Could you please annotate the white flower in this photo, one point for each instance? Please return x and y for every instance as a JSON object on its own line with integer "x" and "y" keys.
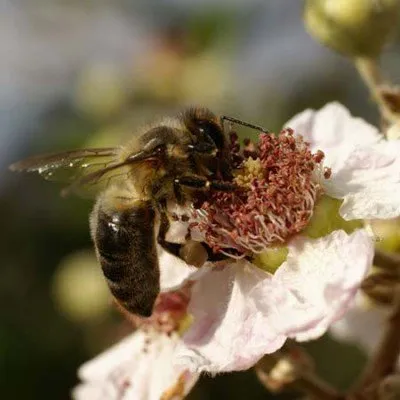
{"x": 365, "y": 167}
{"x": 138, "y": 368}
{"x": 242, "y": 312}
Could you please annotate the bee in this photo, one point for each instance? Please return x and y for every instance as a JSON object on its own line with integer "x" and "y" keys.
{"x": 166, "y": 163}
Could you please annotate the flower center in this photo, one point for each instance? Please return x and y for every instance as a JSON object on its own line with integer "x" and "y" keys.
{"x": 279, "y": 183}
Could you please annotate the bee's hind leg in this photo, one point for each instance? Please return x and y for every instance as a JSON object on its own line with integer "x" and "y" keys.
{"x": 191, "y": 252}
{"x": 172, "y": 248}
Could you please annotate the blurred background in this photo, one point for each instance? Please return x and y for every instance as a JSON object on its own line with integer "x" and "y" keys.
{"x": 88, "y": 73}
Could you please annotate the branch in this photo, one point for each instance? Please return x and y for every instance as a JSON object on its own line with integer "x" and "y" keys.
{"x": 292, "y": 368}
{"x": 384, "y": 362}
{"x": 370, "y": 74}
{"x": 387, "y": 260}
{"x": 316, "y": 388}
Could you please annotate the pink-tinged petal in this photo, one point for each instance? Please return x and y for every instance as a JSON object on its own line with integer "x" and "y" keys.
{"x": 323, "y": 275}
{"x": 241, "y": 312}
{"x": 230, "y": 332}
{"x": 333, "y": 130}
{"x": 138, "y": 368}
{"x": 369, "y": 182}
{"x": 362, "y": 324}
{"x": 174, "y": 271}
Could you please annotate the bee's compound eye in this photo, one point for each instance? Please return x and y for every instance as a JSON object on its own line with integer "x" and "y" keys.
{"x": 159, "y": 150}
{"x": 212, "y": 130}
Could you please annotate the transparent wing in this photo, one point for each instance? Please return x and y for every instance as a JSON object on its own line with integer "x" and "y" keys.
{"x": 66, "y": 166}
{"x": 86, "y": 170}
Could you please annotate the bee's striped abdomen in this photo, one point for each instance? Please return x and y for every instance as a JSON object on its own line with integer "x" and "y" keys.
{"x": 125, "y": 242}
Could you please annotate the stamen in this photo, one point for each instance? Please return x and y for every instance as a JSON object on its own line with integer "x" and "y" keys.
{"x": 280, "y": 181}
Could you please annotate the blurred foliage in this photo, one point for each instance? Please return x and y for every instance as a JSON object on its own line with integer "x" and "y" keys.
{"x": 44, "y": 335}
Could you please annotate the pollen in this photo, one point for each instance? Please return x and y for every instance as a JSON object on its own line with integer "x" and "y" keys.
{"x": 279, "y": 182}
{"x": 251, "y": 170}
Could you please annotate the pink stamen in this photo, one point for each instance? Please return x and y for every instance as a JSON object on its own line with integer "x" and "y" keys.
{"x": 277, "y": 204}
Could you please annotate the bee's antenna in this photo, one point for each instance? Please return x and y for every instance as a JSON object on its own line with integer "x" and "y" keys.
{"x": 240, "y": 122}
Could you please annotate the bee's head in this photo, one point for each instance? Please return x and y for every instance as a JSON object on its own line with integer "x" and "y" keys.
{"x": 162, "y": 148}
{"x": 205, "y": 126}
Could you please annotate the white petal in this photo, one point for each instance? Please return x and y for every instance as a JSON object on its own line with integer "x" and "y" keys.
{"x": 323, "y": 275}
{"x": 138, "y": 368}
{"x": 393, "y": 132}
{"x": 241, "y": 312}
{"x": 100, "y": 367}
{"x": 229, "y": 331}
{"x": 174, "y": 271}
{"x": 361, "y": 324}
{"x": 177, "y": 232}
{"x": 369, "y": 182}
{"x": 333, "y": 130}
{"x": 365, "y": 168}
{"x": 177, "y": 228}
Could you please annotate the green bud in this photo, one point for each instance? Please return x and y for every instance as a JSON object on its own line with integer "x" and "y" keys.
{"x": 269, "y": 260}
{"x": 357, "y": 28}
{"x": 326, "y": 219}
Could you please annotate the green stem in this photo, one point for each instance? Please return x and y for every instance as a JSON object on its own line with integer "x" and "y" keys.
{"x": 369, "y": 71}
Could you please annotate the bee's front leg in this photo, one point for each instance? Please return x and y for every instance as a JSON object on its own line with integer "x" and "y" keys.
{"x": 201, "y": 183}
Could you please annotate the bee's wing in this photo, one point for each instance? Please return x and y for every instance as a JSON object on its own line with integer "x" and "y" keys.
{"x": 86, "y": 170}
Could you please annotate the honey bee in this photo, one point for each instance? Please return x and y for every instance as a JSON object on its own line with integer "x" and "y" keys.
{"x": 167, "y": 162}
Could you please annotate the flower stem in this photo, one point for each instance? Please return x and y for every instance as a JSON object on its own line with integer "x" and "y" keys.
{"x": 297, "y": 374}
{"x": 384, "y": 362}
{"x": 369, "y": 71}
{"x": 316, "y": 388}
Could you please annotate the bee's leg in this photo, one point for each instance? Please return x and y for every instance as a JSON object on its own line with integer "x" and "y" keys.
{"x": 198, "y": 182}
{"x": 202, "y": 148}
{"x": 180, "y": 199}
{"x": 175, "y": 248}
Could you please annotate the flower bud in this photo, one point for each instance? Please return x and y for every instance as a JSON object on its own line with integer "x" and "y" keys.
{"x": 89, "y": 305}
{"x": 357, "y": 28}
